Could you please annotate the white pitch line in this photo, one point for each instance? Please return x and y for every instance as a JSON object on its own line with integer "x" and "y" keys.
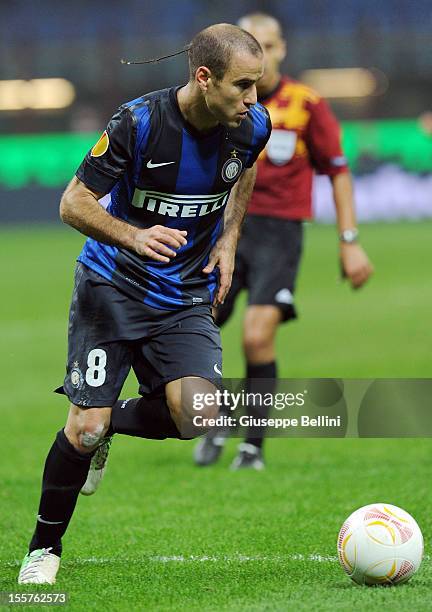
{"x": 239, "y": 558}
{"x": 209, "y": 558}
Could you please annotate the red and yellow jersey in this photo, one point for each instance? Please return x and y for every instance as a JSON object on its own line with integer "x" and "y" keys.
{"x": 305, "y": 139}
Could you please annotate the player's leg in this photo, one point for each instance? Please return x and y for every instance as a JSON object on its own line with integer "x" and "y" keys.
{"x": 192, "y": 402}
{"x": 259, "y": 331}
{"x": 148, "y": 417}
{"x": 271, "y": 281}
{"x": 64, "y": 473}
{"x": 112, "y": 367}
{"x": 95, "y": 375}
{"x": 209, "y": 448}
{"x": 188, "y": 342}
{"x": 167, "y": 414}
{"x": 260, "y": 324}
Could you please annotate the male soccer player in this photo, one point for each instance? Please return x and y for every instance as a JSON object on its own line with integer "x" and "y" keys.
{"x": 305, "y": 139}
{"x": 179, "y": 167}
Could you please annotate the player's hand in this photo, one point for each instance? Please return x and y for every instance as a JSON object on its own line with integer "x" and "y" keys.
{"x": 356, "y": 266}
{"x": 158, "y": 242}
{"x": 222, "y": 255}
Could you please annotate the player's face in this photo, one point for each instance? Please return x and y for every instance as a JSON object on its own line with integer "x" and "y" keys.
{"x": 230, "y": 99}
{"x": 269, "y": 37}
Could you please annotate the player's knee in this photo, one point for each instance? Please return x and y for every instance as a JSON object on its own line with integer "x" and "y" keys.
{"x": 193, "y": 423}
{"x": 183, "y": 410}
{"x": 91, "y": 436}
{"x": 193, "y": 401}
{"x": 86, "y": 433}
{"x": 256, "y": 344}
{"x": 199, "y": 415}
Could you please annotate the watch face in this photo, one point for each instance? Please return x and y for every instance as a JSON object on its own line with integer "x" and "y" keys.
{"x": 349, "y": 235}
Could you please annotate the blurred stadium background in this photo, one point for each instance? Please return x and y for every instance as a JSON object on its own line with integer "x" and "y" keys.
{"x": 61, "y": 79}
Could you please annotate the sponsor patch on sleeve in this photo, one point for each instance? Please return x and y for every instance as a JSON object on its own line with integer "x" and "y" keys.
{"x": 338, "y": 161}
{"x": 101, "y": 146}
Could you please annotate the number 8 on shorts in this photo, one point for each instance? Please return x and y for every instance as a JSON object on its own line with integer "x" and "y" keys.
{"x": 96, "y": 372}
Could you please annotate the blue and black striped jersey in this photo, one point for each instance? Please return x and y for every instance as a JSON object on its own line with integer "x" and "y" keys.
{"x": 159, "y": 170}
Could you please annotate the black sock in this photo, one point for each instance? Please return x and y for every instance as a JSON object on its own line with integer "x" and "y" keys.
{"x": 260, "y": 379}
{"x": 144, "y": 417}
{"x": 64, "y": 474}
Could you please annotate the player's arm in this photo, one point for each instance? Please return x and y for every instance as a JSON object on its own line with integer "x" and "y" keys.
{"x": 100, "y": 171}
{"x": 80, "y": 208}
{"x": 355, "y": 263}
{"x": 326, "y": 153}
{"x": 223, "y": 253}
{"x": 236, "y": 208}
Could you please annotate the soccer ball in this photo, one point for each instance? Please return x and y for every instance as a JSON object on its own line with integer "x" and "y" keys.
{"x": 380, "y": 544}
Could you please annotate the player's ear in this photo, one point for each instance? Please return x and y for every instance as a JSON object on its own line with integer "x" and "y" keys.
{"x": 202, "y": 77}
{"x": 282, "y": 49}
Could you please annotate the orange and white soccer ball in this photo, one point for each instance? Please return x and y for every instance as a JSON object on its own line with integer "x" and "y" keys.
{"x": 380, "y": 544}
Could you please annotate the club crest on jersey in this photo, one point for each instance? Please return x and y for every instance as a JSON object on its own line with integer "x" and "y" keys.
{"x": 76, "y": 377}
{"x": 101, "y": 146}
{"x": 232, "y": 168}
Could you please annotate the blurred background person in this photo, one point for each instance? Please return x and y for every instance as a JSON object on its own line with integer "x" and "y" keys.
{"x": 305, "y": 139}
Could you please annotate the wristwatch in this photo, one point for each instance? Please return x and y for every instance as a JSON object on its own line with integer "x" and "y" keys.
{"x": 349, "y": 235}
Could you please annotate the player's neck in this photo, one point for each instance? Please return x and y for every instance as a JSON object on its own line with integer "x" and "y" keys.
{"x": 194, "y": 110}
{"x": 269, "y": 85}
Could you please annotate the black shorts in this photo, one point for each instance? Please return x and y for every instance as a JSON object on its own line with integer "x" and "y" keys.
{"x": 110, "y": 333}
{"x": 267, "y": 262}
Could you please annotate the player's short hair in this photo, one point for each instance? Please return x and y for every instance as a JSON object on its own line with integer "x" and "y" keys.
{"x": 215, "y": 46}
{"x": 260, "y": 19}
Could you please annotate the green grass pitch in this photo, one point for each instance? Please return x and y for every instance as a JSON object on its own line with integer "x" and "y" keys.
{"x": 163, "y": 535}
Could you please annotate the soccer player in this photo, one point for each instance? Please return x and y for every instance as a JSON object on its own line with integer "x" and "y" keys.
{"x": 305, "y": 139}
{"x": 179, "y": 165}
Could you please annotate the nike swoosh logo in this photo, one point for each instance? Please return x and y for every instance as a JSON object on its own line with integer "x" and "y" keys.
{"x": 41, "y": 520}
{"x": 150, "y": 164}
{"x": 216, "y": 369}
